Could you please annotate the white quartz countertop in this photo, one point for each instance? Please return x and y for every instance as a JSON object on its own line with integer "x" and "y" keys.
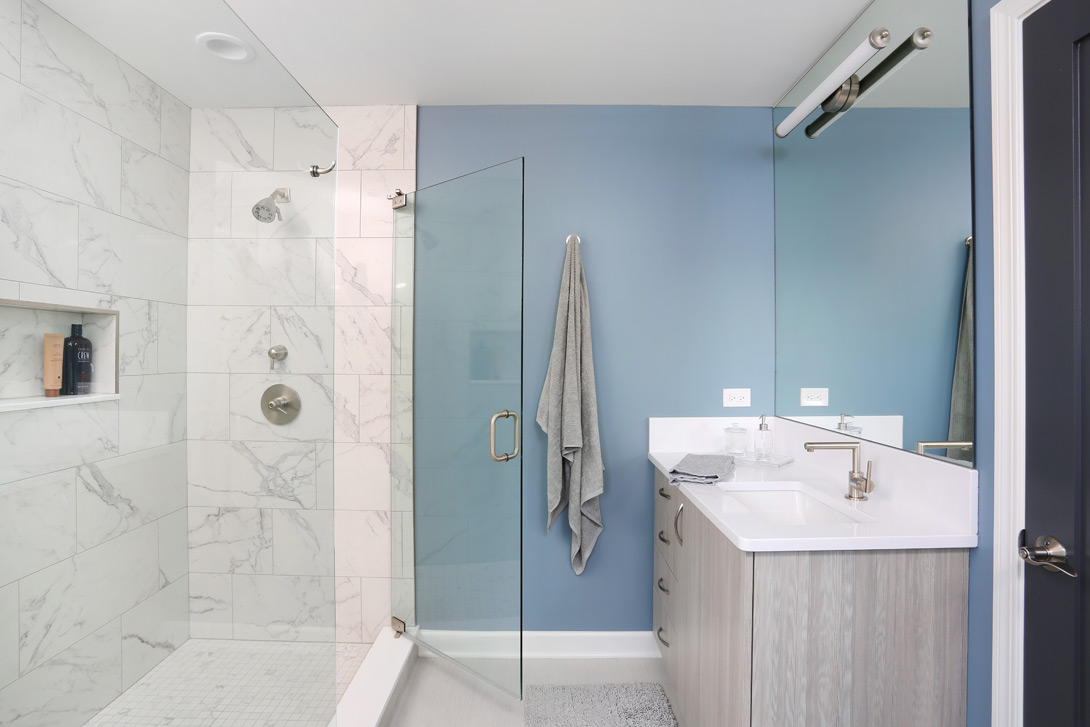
{"x": 881, "y": 523}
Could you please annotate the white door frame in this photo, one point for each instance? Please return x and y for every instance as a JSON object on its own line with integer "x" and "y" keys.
{"x": 1008, "y": 195}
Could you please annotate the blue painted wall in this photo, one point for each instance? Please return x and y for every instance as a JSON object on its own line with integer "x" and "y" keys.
{"x": 675, "y": 209}
{"x": 900, "y": 208}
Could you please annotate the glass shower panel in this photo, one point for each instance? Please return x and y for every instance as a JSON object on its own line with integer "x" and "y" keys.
{"x": 460, "y": 590}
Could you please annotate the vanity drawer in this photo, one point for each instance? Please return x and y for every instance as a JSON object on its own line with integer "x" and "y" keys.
{"x": 667, "y": 499}
{"x": 665, "y": 584}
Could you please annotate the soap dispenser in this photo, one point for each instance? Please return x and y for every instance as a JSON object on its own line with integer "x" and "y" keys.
{"x": 851, "y": 431}
{"x": 762, "y": 441}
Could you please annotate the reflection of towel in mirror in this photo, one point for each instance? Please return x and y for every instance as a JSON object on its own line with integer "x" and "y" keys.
{"x": 568, "y": 412}
{"x": 963, "y": 392}
{"x": 702, "y": 469}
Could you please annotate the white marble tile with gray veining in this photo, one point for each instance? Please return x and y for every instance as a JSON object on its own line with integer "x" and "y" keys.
{"x": 10, "y": 32}
{"x": 325, "y": 268}
{"x": 152, "y": 411}
{"x": 402, "y": 354}
{"x": 70, "y": 688}
{"x": 251, "y": 272}
{"x": 307, "y": 332}
{"x": 172, "y": 338}
{"x": 52, "y": 148}
{"x": 401, "y": 477}
{"x": 230, "y": 540}
{"x": 153, "y": 190}
{"x": 375, "y": 607}
{"x": 410, "y": 137}
{"x": 21, "y": 342}
{"x": 310, "y": 213}
{"x": 9, "y": 634}
{"x": 126, "y": 258}
{"x": 348, "y": 203}
{"x": 153, "y": 630}
{"x": 138, "y": 340}
{"x": 208, "y": 400}
{"x": 362, "y": 473}
{"x": 38, "y": 236}
{"x": 371, "y": 137}
{"x": 303, "y": 542}
{"x": 209, "y": 204}
{"x": 363, "y": 340}
{"x": 226, "y": 339}
{"x": 123, "y": 493}
{"x": 284, "y": 608}
{"x": 364, "y": 271}
{"x": 173, "y": 547}
{"x": 63, "y": 603}
{"x": 36, "y": 441}
{"x": 62, "y": 62}
{"x": 230, "y": 140}
{"x": 349, "y": 610}
{"x": 374, "y": 407}
{"x": 323, "y": 452}
{"x": 403, "y": 599}
{"x": 346, "y": 408}
{"x": 304, "y": 136}
{"x": 210, "y": 605}
{"x": 315, "y": 420}
{"x": 401, "y": 416}
{"x": 37, "y": 523}
{"x": 362, "y": 543}
{"x": 376, "y": 219}
{"x": 277, "y": 475}
{"x": 174, "y": 139}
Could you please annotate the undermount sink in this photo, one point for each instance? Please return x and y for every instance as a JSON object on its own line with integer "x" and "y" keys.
{"x": 786, "y": 507}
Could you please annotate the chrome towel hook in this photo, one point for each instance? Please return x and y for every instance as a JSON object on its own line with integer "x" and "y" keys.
{"x": 315, "y": 170}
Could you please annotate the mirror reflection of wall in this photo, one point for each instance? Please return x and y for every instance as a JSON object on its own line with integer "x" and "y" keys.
{"x": 872, "y": 221}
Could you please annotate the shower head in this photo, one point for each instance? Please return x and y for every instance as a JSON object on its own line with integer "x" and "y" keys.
{"x": 266, "y": 210}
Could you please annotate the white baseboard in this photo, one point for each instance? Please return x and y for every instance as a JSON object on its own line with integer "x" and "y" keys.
{"x": 542, "y": 644}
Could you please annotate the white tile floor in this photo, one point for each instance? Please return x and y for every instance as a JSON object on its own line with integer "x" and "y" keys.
{"x": 239, "y": 684}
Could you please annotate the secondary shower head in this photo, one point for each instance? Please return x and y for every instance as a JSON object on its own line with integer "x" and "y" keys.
{"x": 266, "y": 210}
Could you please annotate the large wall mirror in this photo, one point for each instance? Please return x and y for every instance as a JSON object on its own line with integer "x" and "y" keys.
{"x": 874, "y": 314}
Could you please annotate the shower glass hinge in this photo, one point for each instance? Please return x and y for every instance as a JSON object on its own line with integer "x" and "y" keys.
{"x": 397, "y": 199}
{"x": 398, "y": 626}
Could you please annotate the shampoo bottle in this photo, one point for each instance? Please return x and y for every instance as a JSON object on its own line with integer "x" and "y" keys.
{"x": 77, "y": 363}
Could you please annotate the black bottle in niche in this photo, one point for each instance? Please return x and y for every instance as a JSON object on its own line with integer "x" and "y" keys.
{"x": 76, "y": 373}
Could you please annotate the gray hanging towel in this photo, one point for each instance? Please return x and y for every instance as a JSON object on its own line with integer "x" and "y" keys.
{"x": 963, "y": 392}
{"x": 568, "y": 412}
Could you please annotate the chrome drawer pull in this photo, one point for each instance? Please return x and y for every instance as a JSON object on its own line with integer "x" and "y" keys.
{"x": 664, "y": 493}
{"x": 662, "y": 537}
{"x": 663, "y": 588}
{"x": 664, "y": 641}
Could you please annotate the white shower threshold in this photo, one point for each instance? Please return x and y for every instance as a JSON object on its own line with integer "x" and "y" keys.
{"x": 371, "y": 695}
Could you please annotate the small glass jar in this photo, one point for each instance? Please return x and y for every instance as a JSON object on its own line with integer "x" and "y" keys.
{"x": 736, "y": 439}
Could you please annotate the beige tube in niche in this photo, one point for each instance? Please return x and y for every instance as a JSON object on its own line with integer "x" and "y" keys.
{"x": 53, "y": 363}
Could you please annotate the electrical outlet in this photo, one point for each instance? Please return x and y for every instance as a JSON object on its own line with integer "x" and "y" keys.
{"x": 814, "y": 397}
{"x": 736, "y": 397}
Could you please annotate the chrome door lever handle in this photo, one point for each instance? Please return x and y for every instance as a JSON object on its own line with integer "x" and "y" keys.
{"x": 1049, "y": 553}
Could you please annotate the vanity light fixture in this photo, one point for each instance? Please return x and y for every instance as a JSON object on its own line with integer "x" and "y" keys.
{"x": 876, "y": 41}
{"x": 227, "y": 47}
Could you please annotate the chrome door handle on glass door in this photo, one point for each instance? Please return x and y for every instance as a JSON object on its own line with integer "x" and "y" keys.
{"x": 492, "y": 437}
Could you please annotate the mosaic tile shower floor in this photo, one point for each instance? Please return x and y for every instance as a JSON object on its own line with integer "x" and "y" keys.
{"x": 208, "y": 683}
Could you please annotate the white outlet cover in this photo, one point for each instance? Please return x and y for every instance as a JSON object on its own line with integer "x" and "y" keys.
{"x": 736, "y": 397}
{"x": 813, "y": 397}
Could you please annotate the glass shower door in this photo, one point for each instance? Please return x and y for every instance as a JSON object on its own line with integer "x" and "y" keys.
{"x": 460, "y": 593}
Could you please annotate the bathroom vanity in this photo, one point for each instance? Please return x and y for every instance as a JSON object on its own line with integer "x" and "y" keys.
{"x": 778, "y": 603}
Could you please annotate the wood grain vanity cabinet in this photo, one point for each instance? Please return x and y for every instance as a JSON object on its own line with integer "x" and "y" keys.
{"x": 806, "y": 639}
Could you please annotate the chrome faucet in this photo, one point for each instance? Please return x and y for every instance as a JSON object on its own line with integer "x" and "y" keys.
{"x": 859, "y": 484}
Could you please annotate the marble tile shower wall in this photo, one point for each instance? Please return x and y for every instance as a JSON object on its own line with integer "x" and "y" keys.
{"x": 93, "y": 213}
{"x": 290, "y": 526}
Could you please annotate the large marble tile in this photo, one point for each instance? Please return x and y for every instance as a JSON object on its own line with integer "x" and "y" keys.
{"x": 401, "y": 414}
{"x": 375, "y": 607}
{"x": 307, "y": 332}
{"x": 402, "y": 354}
{"x": 44, "y": 440}
{"x": 323, "y": 452}
{"x": 63, "y": 603}
{"x": 403, "y": 599}
{"x": 310, "y": 213}
{"x": 173, "y": 546}
{"x": 401, "y": 477}
{"x": 210, "y": 605}
{"x": 362, "y": 476}
{"x": 153, "y": 190}
{"x": 138, "y": 339}
{"x": 277, "y": 475}
{"x": 363, "y": 340}
{"x": 362, "y": 543}
{"x": 38, "y": 236}
{"x": 304, "y": 136}
{"x": 174, "y": 139}
{"x": 152, "y": 411}
{"x": 37, "y": 523}
{"x": 346, "y": 408}
{"x": 410, "y": 137}
{"x": 365, "y": 271}
{"x": 231, "y": 140}
{"x": 209, "y": 204}
{"x": 251, "y": 272}
{"x": 226, "y": 339}
{"x": 62, "y": 62}
{"x": 284, "y": 608}
{"x": 324, "y": 271}
{"x": 348, "y": 203}
{"x": 315, "y": 420}
{"x": 9, "y": 289}
{"x": 172, "y": 338}
{"x": 371, "y": 137}
{"x": 21, "y": 340}
{"x": 9, "y": 634}
{"x": 121, "y": 494}
{"x": 230, "y": 540}
{"x": 303, "y": 542}
{"x": 123, "y": 257}
{"x": 153, "y": 630}
{"x": 376, "y": 216}
{"x": 10, "y": 32}
{"x": 375, "y": 402}
{"x": 70, "y": 688}
{"x": 349, "y": 610}
{"x": 208, "y": 411}
{"x": 51, "y": 148}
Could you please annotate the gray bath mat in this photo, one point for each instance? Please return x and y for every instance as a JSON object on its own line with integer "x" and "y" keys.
{"x": 598, "y": 705}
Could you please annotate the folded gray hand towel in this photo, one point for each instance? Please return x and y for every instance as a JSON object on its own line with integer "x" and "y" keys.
{"x": 702, "y": 469}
